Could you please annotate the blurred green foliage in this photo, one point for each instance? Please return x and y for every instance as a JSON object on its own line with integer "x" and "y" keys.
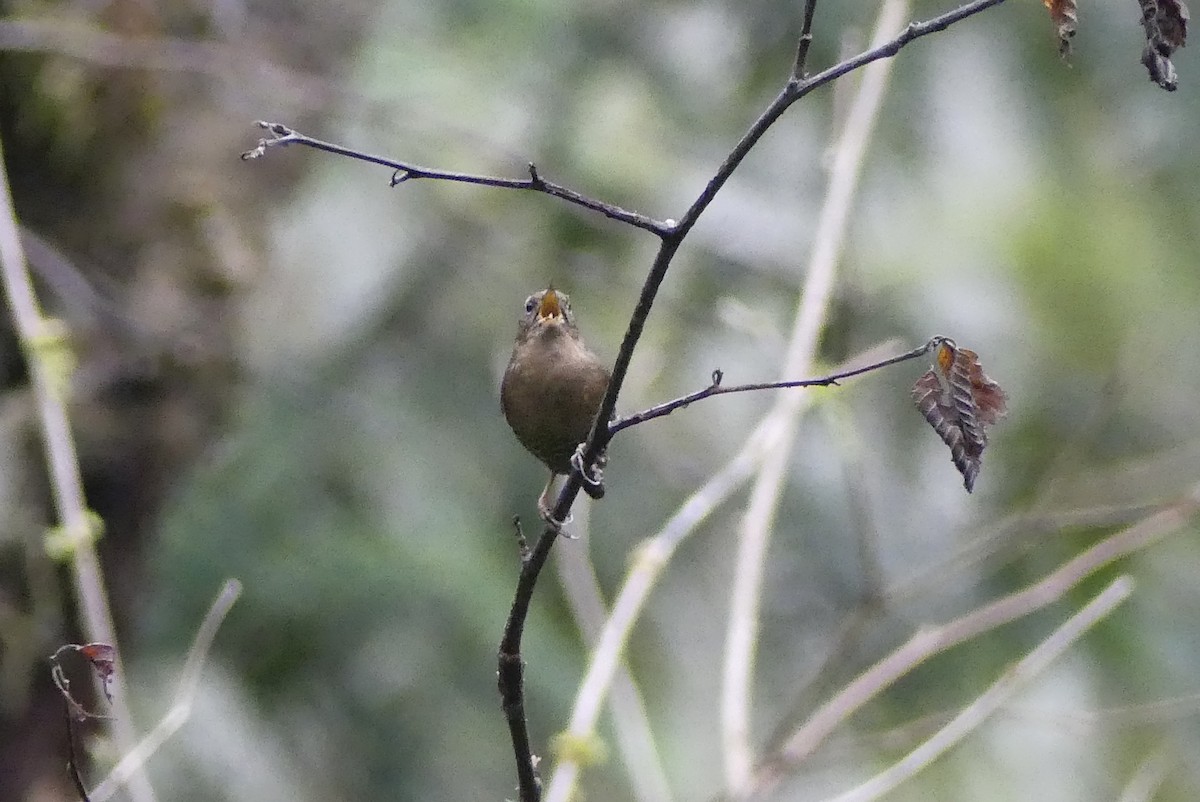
{"x": 1041, "y": 212}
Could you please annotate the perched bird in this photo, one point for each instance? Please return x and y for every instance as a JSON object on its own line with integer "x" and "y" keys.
{"x": 552, "y": 387}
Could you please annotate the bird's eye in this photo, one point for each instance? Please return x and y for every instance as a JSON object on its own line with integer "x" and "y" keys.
{"x": 530, "y": 304}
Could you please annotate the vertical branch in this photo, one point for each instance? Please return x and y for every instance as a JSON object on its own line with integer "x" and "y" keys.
{"x": 754, "y": 537}
{"x": 800, "y": 66}
{"x": 75, "y": 521}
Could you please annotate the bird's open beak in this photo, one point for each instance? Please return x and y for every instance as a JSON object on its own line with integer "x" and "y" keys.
{"x": 550, "y": 310}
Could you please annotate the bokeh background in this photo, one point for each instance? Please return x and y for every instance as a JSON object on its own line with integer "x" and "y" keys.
{"x": 288, "y": 374}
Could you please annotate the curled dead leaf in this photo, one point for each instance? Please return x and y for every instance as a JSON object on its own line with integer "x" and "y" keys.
{"x": 1165, "y": 24}
{"x": 959, "y": 401}
{"x": 1065, "y": 16}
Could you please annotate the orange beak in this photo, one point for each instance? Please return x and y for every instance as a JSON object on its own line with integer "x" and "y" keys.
{"x": 550, "y": 308}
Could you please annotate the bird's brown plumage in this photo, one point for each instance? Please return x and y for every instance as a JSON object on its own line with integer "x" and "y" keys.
{"x": 553, "y": 384}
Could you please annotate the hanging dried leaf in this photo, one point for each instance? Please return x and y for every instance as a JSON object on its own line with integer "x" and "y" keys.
{"x": 103, "y": 659}
{"x": 1065, "y": 16}
{"x": 1173, "y": 18}
{"x": 959, "y": 401}
{"x": 1165, "y": 23}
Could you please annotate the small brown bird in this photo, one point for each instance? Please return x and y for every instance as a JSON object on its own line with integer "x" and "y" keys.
{"x": 552, "y": 387}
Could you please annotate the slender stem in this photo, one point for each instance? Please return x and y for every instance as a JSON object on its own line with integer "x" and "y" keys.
{"x": 66, "y": 484}
{"x": 716, "y": 388}
{"x": 281, "y": 136}
{"x": 798, "y": 68}
{"x": 72, "y": 759}
{"x": 511, "y": 667}
{"x": 977, "y": 712}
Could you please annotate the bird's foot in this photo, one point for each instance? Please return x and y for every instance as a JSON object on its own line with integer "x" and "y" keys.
{"x": 546, "y": 511}
{"x": 593, "y": 480}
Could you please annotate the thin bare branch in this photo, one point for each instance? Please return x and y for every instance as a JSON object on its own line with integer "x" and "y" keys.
{"x": 509, "y": 659}
{"x": 1003, "y": 689}
{"x": 716, "y": 388}
{"x": 72, "y": 758}
{"x": 282, "y": 135}
{"x": 801, "y": 62}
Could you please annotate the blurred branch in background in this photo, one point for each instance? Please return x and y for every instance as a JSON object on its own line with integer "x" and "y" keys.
{"x": 180, "y": 711}
{"x": 634, "y": 734}
{"x": 47, "y": 354}
{"x": 975, "y": 713}
{"x": 758, "y": 522}
{"x": 931, "y": 641}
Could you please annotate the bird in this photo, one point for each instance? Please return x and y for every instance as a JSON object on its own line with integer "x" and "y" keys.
{"x": 552, "y": 389}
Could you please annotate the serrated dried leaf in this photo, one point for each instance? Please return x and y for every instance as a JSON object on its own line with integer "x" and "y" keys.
{"x": 1065, "y": 16}
{"x": 959, "y": 401}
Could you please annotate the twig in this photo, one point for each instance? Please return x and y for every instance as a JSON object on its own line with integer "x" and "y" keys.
{"x": 798, "y": 67}
{"x": 522, "y": 543}
{"x": 100, "y": 656}
{"x": 978, "y": 711}
{"x": 185, "y": 694}
{"x": 510, "y": 673}
{"x": 716, "y": 388}
{"x": 931, "y": 641}
{"x": 78, "y": 525}
{"x": 282, "y": 135}
{"x": 72, "y": 759}
{"x": 755, "y": 530}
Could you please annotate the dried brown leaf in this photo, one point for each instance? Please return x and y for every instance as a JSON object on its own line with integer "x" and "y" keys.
{"x": 959, "y": 401}
{"x": 1173, "y": 18}
{"x": 1065, "y": 16}
{"x": 1165, "y": 23}
{"x": 101, "y": 657}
